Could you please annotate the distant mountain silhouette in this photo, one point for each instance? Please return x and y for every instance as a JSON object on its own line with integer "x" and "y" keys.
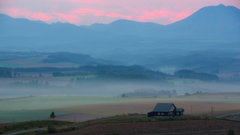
{"x": 213, "y": 22}
{"x": 127, "y": 27}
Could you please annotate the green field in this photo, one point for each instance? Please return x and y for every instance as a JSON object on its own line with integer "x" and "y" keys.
{"x": 33, "y": 59}
{"x": 8, "y": 64}
{"x": 26, "y": 115}
{"x": 12, "y": 64}
{"x": 38, "y": 103}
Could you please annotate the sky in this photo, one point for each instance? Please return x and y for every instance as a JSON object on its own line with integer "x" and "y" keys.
{"x": 87, "y": 12}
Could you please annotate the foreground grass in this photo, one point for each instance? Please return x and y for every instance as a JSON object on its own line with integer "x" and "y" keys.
{"x": 143, "y": 119}
{"x": 68, "y": 126}
{"x": 32, "y": 125}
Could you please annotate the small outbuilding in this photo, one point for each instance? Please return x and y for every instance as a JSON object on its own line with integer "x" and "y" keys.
{"x": 166, "y": 109}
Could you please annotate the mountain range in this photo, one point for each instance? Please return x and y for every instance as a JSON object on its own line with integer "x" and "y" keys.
{"x": 213, "y": 22}
{"x": 213, "y": 32}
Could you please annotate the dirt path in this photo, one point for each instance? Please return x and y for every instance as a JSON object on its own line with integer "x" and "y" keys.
{"x": 76, "y": 117}
{"x": 25, "y": 131}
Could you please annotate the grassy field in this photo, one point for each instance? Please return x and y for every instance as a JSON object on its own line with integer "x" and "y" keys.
{"x": 34, "y": 59}
{"x": 36, "y": 103}
{"x": 8, "y": 64}
{"x": 20, "y": 62}
{"x": 33, "y": 124}
{"x": 34, "y": 108}
{"x": 26, "y": 115}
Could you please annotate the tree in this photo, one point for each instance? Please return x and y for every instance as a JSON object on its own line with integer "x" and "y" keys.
{"x": 52, "y": 129}
{"x": 231, "y": 132}
{"x": 52, "y": 115}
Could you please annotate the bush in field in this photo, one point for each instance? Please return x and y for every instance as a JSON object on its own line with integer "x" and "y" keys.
{"x": 25, "y": 126}
{"x": 1, "y": 131}
{"x": 52, "y": 115}
{"x": 52, "y": 129}
{"x": 230, "y": 132}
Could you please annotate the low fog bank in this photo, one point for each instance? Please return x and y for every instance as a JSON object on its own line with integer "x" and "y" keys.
{"x": 110, "y": 88}
{"x": 108, "y": 81}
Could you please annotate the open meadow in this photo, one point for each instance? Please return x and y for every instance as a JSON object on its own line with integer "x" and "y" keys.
{"x": 33, "y": 108}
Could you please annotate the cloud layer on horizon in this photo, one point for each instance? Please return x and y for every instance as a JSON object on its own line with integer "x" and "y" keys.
{"x": 82, "y": 12}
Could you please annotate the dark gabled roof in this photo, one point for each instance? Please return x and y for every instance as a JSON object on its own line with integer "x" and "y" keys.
{"x": 163, "y": 107}
{"x": 179, "y": 110}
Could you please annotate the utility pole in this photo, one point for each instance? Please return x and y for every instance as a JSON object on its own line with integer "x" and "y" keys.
{"x": 191, "y": 110}
{"x": 212, "y": 111}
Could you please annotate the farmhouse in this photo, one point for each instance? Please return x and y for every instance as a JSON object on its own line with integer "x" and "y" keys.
{"x": 166, "y": 109}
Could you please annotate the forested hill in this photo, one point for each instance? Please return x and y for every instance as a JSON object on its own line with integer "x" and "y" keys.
{"x": 109, "y": 71}
{"x": 75, "y": 58}
{"x": 195, "y": 75}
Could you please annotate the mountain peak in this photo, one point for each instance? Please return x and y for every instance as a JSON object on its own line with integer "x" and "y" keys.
{"x": 221, "y": 5}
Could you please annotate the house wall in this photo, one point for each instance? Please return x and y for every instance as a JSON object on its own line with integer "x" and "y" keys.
{"x": 178, "y": 113}
{"x": 163, "y": 113}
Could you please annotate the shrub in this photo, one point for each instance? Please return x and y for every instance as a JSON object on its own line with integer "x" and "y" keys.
{"x": 73, "y": 128}
{"x": 25, "y": 126}
{"x": 52, "y": 129}
{"x": 1, "y": 131}
{"x": 230, "y": 132}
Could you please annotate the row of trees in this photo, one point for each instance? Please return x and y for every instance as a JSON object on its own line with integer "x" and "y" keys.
{"x": 195, "y": 75}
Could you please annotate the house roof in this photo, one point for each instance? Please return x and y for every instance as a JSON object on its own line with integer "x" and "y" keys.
{"x": 163, "y": 107}
{"x": 179, "y": 109}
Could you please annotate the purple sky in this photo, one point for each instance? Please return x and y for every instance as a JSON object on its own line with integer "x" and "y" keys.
{"x": 87, "y": 12}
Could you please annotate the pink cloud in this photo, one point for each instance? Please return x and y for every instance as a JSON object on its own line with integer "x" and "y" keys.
{"x": 41, "y": 16}
{"x": 105, "y": 11}
{"x": 88, "y": 11}
{"x": 167, "y": 14}
{"x": 116, "y": 15}
{"x": 151, "y": 15}
{"x": 66, "y": 17}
